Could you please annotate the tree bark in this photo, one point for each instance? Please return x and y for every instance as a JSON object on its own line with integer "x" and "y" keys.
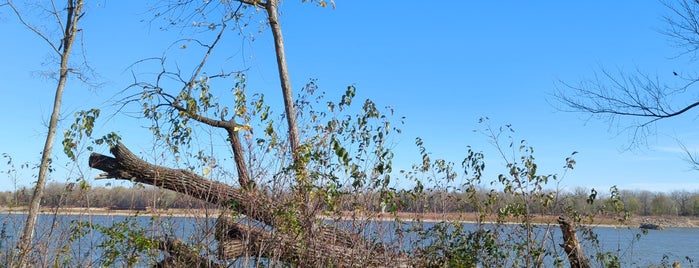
{"x": 182, "y": 255}
{"x": 271, "y": 8}
{"x": 127, "y": 166}
{"x": 327, "y": 249}
{"x": 576, "y": 257}
{"x": 71, "y": 28}
{"x": 306, "y": 208}
{"x": 326, "y": 244}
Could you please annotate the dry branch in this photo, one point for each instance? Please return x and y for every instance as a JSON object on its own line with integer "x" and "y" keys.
{"x": 327, "y": 244}
{"x": 182, "y": 255}
{"x": 238, "y": 239}
{"x": 127, "y": 166}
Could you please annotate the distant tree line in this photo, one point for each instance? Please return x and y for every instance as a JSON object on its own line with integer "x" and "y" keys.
{"x": 138, "y": 197}
{"x": 635, "y": 203}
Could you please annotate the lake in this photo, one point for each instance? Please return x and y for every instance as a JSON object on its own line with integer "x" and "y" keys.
{"x": 58, "y": 235}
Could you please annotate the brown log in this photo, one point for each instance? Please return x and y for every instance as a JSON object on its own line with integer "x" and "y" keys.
{"x": 127, "y": 166}
{"x": 239, "y": 239}
{"x": 327, "y": 243}
{"x": 182, "y": 255}
{"x": 571, "y": 246}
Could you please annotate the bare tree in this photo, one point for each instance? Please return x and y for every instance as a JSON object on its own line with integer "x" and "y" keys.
{"x": 635, "y": 101}
{"x": 62, "y": 48}
{"x": 683, "y": 25}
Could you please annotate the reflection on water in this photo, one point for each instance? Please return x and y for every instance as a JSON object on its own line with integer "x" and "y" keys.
{"x": 57, "y": 240}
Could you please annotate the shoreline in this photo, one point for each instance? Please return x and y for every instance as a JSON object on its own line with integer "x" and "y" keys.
{"x": 632, "y": 222}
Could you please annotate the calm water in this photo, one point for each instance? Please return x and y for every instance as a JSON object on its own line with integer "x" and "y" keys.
{"x": 57, "y": 235}
{"x": 676, "y": 244}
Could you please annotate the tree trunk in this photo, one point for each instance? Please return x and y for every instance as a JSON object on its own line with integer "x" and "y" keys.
{"x": 25, "y": 244}
{"x": 287, "y": 92}
{"x": 576, "y": 257}
{"x": 306, "y": 207}
{"x": 325, "y": 245}
{"x": 238, "y": 239}
{"x": 127, "y": 166}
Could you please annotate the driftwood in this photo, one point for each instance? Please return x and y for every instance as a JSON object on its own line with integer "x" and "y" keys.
{"x": 571, "y": 245}
{"x": 258, "y": 236}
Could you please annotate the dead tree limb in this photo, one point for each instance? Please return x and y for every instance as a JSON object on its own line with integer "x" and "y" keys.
{"x": 238, "y": 239}
{"x": 328, "y": 244}
{"x": 127, "y": 166}
{"x": 182, "y": 255}
{"x": 576, "y": 257}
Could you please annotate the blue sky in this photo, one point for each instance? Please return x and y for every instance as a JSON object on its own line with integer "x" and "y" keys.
{"x": 441, "y": 66}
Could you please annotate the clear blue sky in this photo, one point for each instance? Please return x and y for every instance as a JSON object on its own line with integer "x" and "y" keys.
{"x": 442, "y": 66}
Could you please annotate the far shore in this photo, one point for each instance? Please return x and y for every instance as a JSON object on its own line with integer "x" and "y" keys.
{"x": 634, "y": 221}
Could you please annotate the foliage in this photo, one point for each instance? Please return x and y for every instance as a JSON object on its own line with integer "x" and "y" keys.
{"x": 493, "y": 242}
{"x": 519, "y": 194}
{"x": 125, "y": 242}
{"x": 342, "y": 171}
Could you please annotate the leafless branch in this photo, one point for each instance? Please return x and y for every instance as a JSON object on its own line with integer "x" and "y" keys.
{"x": 639, "y": 98}
{"x": 683, "y": 25}
{"x": 690, "y": 157}
{"x": 32, "y": 28}
{"x": 55, "y": 13}
{"x": 206, "y": 56}
{"x": 180, "y": 13}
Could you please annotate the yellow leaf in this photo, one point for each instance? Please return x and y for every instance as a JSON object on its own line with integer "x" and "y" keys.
{"x": 242, "y": 127}
{"x": 206, "y": 171}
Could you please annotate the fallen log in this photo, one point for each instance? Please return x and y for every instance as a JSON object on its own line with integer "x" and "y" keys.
{"x": 179, "y": 254}
{"x": 238, "y": 239}
{"x": 326, "y": 244}
{"x": 127, "y": 166}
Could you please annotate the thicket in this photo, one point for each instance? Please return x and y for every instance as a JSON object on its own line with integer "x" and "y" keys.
{"x": 518, "y": 194}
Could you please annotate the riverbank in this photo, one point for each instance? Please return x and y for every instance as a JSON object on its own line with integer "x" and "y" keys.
{"x": 634, "y": 221}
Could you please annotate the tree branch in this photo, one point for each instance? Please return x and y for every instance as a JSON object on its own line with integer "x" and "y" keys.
{"x": 34, "y": 29}
{"x": 239, "y": 239}
{"x": 638, "y": 97}
{"x": 256, "y": 206}
{"x": 126, "y": 166}
{"x": 182, "y": 255}
{"x": 254, "y": 2}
